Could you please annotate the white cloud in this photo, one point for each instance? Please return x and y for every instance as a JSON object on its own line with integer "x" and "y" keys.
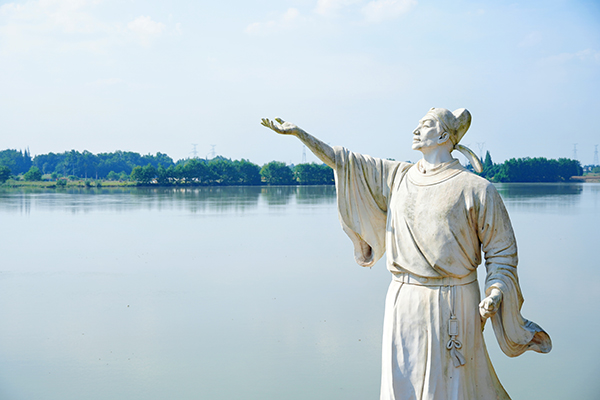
{"x": 331, "y": 7}
{"x": 146, "y": 29}
{"x": 372, "y": 12}
{"x": 587, "y": 55}
{"x": 66, "y": 25}
{"x": 381, "y": 10}
{"x": 286, "y": 20}
{"x": 291, "y": 14}
{"x": 68, "y": 16}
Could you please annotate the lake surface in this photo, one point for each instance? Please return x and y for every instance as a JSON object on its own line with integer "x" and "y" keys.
{"x": 253, "y": 293}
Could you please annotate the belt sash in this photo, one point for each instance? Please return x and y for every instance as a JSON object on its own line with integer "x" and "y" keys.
{"x": 453, "y": 345}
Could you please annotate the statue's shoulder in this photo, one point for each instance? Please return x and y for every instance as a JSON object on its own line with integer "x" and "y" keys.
{"x": 399, "y": 168}
{"x": 476, "y": 179}
{"x": 476, "y": 183}
{"x": 400, "y": 165}
{"x": 344, "y": 156}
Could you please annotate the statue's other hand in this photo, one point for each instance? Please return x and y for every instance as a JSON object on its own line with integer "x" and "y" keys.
{"x": 280, "y": 126}
{"x": 491, "y": 304}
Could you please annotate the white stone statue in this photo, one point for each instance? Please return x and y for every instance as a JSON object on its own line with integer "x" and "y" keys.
{"x": 433, "y": 219}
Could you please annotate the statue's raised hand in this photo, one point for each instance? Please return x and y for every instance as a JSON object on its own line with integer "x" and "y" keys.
{"x": 280, "y": 126}
{"x": 323, "y": 151}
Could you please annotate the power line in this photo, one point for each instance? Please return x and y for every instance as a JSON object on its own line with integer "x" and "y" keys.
{"x": 596, "y": 162}
{"x": 574, "y": 151}
{"x": 303, "y": 154}
{"x": 195, "y": 152}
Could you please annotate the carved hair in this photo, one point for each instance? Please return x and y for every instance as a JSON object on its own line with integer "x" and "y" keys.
{"x": 456, "y": 124}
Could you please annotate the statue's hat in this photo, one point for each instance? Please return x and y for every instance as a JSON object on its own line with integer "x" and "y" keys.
{"x": 456, "y": 124}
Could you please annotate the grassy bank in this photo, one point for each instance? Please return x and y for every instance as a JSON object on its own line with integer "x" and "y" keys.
{"x": 69, "y": 184}
{"x": 587, "y": 178}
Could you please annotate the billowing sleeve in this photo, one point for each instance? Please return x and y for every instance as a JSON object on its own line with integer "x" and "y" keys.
{"x": 363, "y": 185}
{"x": 514, "y": 333}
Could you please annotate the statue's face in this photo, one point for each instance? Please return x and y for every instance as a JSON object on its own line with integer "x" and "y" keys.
{"x": 427, "y": 134}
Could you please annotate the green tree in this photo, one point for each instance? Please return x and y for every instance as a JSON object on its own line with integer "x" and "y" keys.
{"x": 277, "y": 173}
{"x": 47, "y": 163}
{"x": 112, "y": 176}
{"x": 4, "y": 173}
{"x": 143, "y": 175}
{"x": 34, "y": 174}
{"x": 313, "y": 174}
{"x": 224, "y": 171}
{"x": 70, "y": 164}
{"x": 538, "y": 169}
{"x": 174, "y": 173}
{"x": 18, "y": 161}
{"x": 489, "y": 169}
{"x": 162, "y": 175}
{"x": 249, "y": 173}
{"x": 195, "y": 171}
{"x": 568, "y": 168}
{"x": 89, "y": 164}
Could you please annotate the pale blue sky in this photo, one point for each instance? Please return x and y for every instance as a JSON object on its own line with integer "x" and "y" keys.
{"x": 149, "y": 76}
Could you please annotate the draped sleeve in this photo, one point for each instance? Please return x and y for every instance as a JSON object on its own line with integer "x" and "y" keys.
{"x": 514, "y": 333}
{"x": 363, "y": 186}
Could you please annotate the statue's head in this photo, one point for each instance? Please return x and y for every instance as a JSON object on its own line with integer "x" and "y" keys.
{"x": 455, "y": 123}
{"x": 441, "y": 127}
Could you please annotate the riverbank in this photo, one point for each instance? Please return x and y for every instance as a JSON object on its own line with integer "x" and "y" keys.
{"x": 11, "y": 183}
{"x": 587, "y": 178}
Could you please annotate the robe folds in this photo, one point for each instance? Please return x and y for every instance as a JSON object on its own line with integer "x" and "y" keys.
{"x": 433, "y": 228}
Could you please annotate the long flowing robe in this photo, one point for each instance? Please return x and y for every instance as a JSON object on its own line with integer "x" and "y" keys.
{"x": 433, "y": 227}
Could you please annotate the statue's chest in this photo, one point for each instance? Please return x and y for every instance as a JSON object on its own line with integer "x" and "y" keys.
{"x": 438, "y": 205}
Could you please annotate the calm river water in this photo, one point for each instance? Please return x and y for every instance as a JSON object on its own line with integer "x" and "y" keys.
{"x": 253, "y": 293}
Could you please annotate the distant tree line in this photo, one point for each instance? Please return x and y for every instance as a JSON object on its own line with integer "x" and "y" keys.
{"x": 99, "y": 166}
{"x": 222, "y": 171}
{"x": 218, "y": 171}
{"x": 538, "y": 169}
{"x": 160, "y": 169}
{"x": 157, "y": 169}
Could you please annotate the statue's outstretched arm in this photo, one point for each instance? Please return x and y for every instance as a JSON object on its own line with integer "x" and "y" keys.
{"x": 320, "y": 149}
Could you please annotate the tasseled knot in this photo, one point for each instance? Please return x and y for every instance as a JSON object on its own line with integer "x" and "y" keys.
{"x": 454, "y": 344}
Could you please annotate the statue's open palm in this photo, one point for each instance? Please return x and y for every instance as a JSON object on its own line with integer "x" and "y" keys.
{"x": 280, "y": 126}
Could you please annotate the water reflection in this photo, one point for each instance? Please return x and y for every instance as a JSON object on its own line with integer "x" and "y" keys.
{"x": 230, "y": 199}
{"x": 245, "y": 198}
{"x": 315, "y": 194}
{"x": 531, "y": 190}
{"x": 278, "y": 195}
{"x": 542, "y": 197}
